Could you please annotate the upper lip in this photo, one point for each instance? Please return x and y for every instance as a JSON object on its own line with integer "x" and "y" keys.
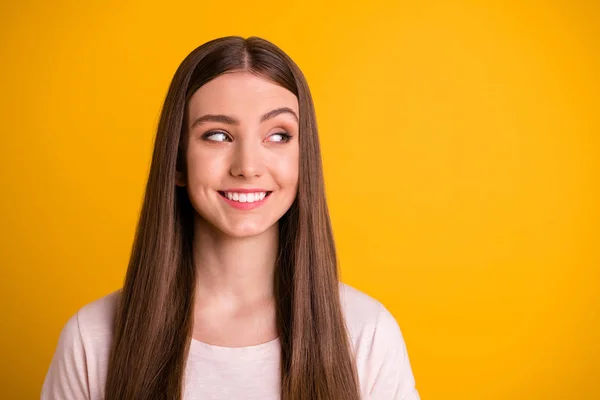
{"x": 241, "y": 190}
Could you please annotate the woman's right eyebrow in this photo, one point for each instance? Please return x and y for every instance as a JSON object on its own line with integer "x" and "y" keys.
{"x": 215, "y": 118}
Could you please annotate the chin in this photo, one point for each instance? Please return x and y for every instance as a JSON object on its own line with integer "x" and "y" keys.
{"x": 246, "y": 230}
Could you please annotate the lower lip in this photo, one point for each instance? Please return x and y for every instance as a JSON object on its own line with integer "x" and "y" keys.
{"x": 245, "y": 206}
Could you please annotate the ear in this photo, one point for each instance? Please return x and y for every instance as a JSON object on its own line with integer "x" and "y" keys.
{"x": 180, "y": 178}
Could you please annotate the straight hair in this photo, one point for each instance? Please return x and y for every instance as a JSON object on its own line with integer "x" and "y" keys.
{"x": 154, "y": 317}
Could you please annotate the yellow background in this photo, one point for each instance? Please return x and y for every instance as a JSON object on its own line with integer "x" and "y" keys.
{"x": 461, "y": 149}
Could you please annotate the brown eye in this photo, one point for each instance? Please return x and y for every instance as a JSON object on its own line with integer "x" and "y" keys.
{"x": 280, "y": 137}
{"x": 216, "y": 136}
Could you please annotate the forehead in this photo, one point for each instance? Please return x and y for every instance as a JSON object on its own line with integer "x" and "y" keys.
{"x": 241, "y": 94}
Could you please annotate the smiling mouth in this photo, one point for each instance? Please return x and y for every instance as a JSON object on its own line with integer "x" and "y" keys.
{"x": 245, "y": 197}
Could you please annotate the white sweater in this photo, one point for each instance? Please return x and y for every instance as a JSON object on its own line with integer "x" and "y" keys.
{"x": 78, "y": 368}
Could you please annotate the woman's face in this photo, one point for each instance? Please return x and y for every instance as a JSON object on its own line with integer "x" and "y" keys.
{"x": 242, "y": 153}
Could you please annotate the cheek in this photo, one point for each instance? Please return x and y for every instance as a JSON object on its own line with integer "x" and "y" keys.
{"x": 287, "y": 171}
{"x": 205, "y": 167}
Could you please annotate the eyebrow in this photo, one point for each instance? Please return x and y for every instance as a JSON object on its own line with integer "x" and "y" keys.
{"x": 226, "y": 119}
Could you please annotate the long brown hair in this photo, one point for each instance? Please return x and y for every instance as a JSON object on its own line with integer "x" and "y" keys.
{"x": 154, "y": 319}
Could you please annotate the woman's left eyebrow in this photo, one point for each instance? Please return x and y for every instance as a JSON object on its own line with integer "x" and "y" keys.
{"x": 277, "y": 111}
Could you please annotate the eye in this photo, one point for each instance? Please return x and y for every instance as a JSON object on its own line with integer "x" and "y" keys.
{"x": 216, "y": 136}
{"x": 280, "y": 137}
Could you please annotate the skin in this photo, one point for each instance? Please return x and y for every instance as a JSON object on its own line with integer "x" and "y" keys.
{"x": 235, "y": 250}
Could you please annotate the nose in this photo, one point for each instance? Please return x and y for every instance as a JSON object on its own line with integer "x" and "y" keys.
{"x": 247, "y": 160}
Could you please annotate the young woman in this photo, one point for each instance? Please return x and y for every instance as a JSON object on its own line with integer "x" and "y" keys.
{"x": 232, "y": 289}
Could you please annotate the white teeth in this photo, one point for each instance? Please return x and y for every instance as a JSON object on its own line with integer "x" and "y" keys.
{"x": 246, "y": 197}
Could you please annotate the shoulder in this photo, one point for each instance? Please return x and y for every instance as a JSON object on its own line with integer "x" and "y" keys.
{"x": 78, "y": 366}
{"x": 357, "y": 302}
{"x": 381, "y": 355}
{"x": 92, "y": 324}
{"x": 96, "y": 318}
{"x": 363, "y": 312}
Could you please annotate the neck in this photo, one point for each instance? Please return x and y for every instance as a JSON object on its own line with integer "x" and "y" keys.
{"x": 234, "y": 271}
